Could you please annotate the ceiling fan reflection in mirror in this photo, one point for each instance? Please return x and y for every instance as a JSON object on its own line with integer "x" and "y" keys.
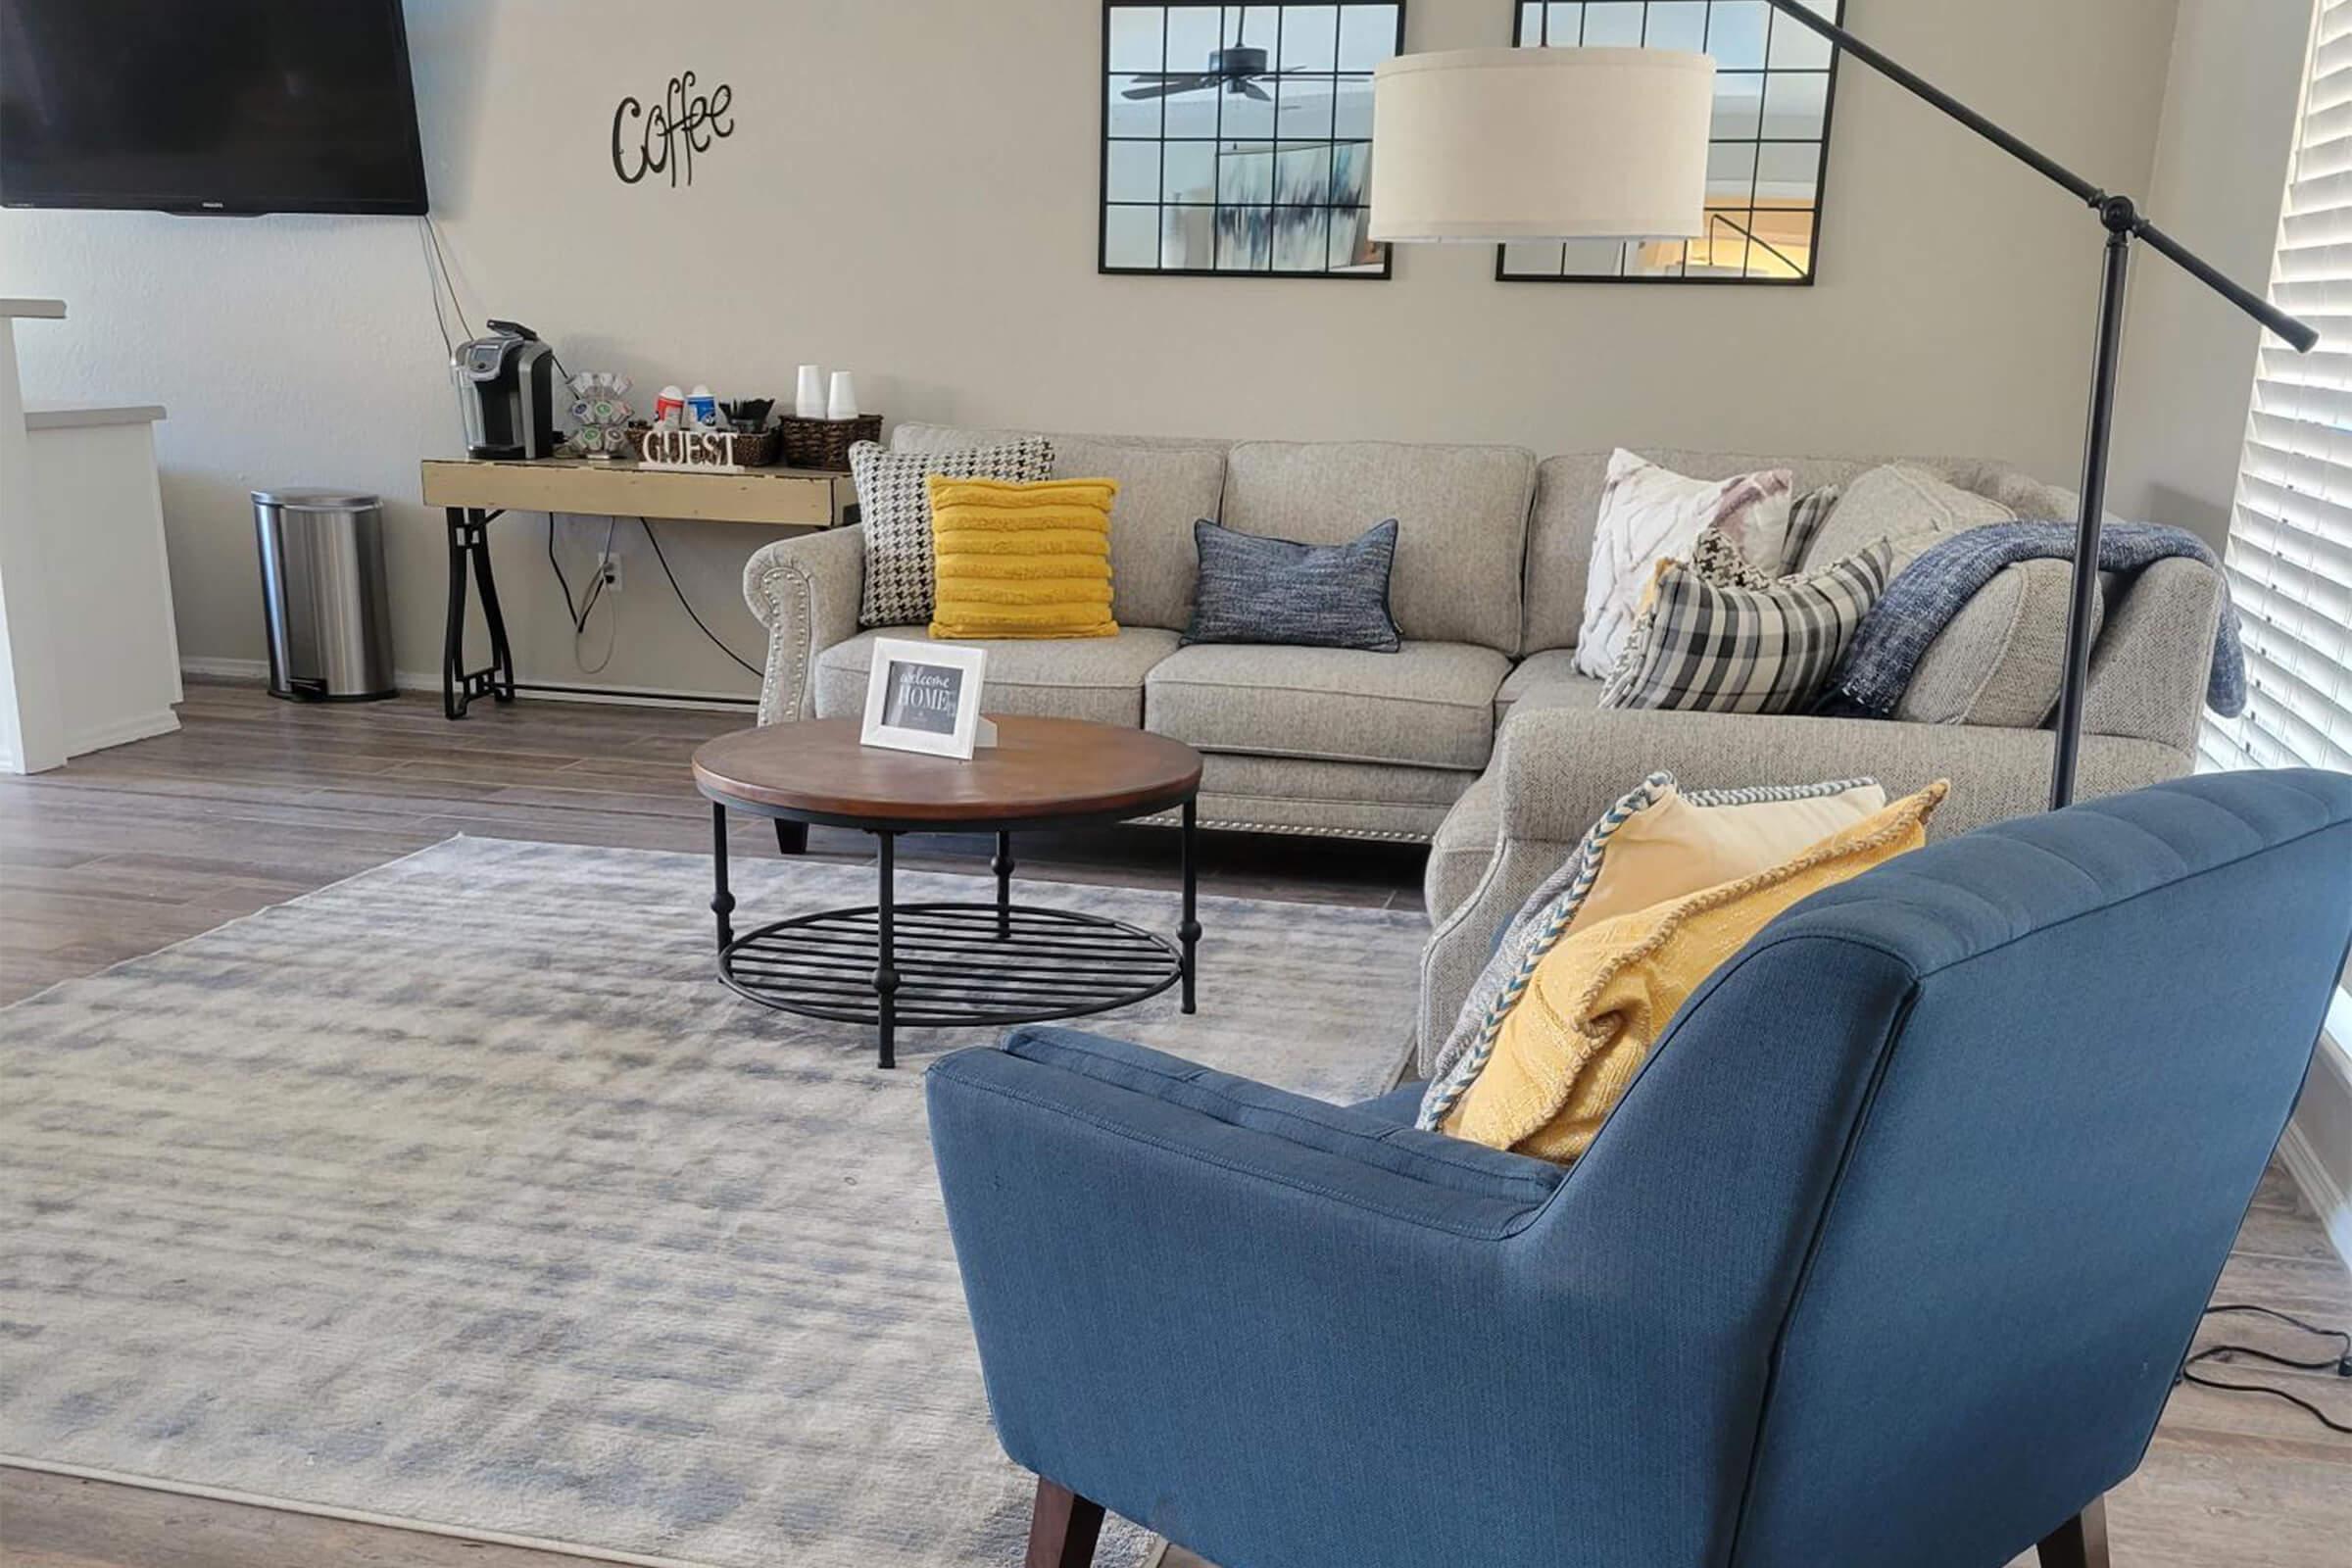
{"x": 1237, "y": 68}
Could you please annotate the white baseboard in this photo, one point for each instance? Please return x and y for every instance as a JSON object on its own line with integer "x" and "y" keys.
{"x": 120, "y": 732}
{"x": 2316, "y": 1150}
{"x": 409, "y": 680}
{"x": 226, "y": 668}
{"x": 2320, "y": 1190}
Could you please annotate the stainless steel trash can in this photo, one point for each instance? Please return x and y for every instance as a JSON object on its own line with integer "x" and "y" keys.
{"x": 328, "y": 618}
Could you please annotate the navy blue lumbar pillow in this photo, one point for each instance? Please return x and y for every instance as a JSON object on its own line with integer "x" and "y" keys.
{"x": 1259, "y": 590}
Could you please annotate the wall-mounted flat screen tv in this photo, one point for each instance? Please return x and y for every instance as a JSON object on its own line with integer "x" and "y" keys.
{"x": 208, "y": 106}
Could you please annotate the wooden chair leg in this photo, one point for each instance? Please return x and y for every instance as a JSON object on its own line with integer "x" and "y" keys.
{"x": 2081, "y": 1542}
{"x": 1062, "y": 1527}
{"x": 792, "y": 838}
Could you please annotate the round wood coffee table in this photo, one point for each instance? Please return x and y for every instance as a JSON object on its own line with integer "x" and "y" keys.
{"x": 889, "y": 964}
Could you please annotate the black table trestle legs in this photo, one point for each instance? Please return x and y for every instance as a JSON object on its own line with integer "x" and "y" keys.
{"x": 469, "y": 548}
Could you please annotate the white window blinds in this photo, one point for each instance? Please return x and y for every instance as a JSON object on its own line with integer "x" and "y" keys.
{"x": 2290, "y": 532}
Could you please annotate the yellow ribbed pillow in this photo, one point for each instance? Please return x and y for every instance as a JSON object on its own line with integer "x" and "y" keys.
{"x": 1021, "y": 560}
{"x": 1598, "y": 1001}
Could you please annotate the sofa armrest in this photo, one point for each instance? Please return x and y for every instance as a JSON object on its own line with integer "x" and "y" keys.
{"x": 2154, "y": 657}
{"x": 1249, "y": 1129}
{"x": 1560, "y": 768}
{"x": 804, "y": 591}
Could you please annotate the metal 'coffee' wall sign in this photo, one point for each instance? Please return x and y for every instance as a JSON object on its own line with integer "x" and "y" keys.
{"x": 665, "y": 138}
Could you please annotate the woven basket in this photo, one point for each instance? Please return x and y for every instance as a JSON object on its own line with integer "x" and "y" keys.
{"x": 754, "y": 448}
{"x": 825, "y": 443}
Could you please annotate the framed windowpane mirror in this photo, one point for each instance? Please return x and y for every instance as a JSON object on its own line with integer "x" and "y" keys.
{"x": 1237, "y": 139}
{"x": 1775, "y": 79}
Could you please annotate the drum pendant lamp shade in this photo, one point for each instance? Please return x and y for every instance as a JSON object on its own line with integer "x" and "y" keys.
{"x": 1491, "y": 145}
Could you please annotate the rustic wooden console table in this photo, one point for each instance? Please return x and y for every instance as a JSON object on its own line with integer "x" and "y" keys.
{"x": 472, "y": 491}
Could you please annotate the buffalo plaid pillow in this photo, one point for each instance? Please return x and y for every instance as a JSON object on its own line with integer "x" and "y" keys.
{"x": 1718, "y": 636}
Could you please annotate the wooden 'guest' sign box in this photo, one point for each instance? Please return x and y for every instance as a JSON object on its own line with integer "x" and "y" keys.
{"x": 691, "y": 450}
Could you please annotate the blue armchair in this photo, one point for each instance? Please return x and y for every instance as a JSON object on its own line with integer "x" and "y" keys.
{"x": 1889, "y": 1256}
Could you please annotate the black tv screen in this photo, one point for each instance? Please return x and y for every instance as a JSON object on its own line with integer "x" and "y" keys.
{"x": 208, "y": 106}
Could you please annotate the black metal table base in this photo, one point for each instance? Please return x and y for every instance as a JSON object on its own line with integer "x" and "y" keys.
{"x": 470, "y": 547}
{"x": 949, "y": 965}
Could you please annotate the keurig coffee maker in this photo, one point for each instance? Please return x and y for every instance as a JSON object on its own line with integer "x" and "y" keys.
{"x": 507, "y": 393}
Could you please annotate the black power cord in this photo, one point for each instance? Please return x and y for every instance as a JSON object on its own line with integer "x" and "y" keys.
{"x": 586, "y": 607}
{"x": 684, "y": 603}
{"x": 2340, "y": 1363}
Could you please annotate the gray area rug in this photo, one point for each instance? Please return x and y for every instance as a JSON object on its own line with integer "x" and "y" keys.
{"x": 462, "y": 1194}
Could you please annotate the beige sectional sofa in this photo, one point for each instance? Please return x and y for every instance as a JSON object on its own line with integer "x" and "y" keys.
{"x": 1487, "y": 591}
{"x": 1479, "y": 737}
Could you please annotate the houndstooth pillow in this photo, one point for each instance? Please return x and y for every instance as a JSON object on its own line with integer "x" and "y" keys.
{"x": 1719, "y": 636}
{"x": 896, "y": 511}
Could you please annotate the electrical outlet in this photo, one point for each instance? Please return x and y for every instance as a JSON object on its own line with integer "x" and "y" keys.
{"x": 609, "y": 569}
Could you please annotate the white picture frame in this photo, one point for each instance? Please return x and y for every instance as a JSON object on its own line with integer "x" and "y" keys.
{"x": 925, "y": 696}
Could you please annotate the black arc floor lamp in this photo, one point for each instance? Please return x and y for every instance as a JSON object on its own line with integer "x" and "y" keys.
{"x": 1498, "y": 145}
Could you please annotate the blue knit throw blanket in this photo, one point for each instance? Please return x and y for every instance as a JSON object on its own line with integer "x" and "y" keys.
{"x": 1926, "y": 594}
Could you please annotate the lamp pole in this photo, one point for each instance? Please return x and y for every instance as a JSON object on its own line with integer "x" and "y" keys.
{"x": 2123, "y": 224}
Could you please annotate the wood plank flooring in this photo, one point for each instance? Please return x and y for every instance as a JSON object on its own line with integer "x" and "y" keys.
{"x": 255, "y": 802}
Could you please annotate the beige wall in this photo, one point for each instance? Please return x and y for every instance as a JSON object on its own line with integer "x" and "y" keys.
{"x": 910, "y": 193}
{"x": 2222, "y": 149}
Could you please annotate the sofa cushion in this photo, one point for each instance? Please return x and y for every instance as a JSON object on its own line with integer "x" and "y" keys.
{"x": 916, "y": 436}
{"x": 1100, "y": 678}
{"x": 1905, "y": 502}
{"x": 1165, "y": 484}
{"x": 2001, "y": 659}
{"x": 1548, "y": 680}
{"x": 1428, "y": 704}
{"x": 1460, "y": 510}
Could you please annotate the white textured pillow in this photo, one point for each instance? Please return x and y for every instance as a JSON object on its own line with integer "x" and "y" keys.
{"x": 894, "y": 509}
{"x": 1649, "y": 513}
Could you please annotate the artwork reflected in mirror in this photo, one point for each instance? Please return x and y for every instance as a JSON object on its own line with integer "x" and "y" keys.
{"x": 1767, "y": 147}
{"x": 1237, "y": 138}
